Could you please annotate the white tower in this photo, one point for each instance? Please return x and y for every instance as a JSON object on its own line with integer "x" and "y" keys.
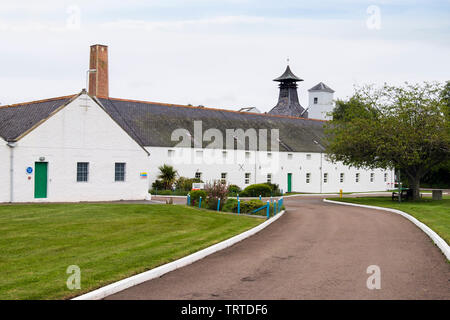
{"x": 320, "y": 101}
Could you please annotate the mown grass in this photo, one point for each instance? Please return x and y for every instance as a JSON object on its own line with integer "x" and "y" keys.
{"x": 433, "y": 213}
{"x": 107, "y": 241}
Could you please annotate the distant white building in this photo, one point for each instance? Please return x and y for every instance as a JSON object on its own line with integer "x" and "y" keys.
{"x": 90, "y": 147}
{"x": 320, "y": 102}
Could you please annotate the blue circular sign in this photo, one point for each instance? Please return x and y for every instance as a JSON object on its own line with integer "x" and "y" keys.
{"x": 29, "y": 170}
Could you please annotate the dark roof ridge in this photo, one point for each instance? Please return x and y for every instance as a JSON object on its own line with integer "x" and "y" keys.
{"x": 209, "y": 108}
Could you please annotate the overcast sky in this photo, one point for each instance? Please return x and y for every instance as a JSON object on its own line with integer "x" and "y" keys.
{"x": 221, "y": 54}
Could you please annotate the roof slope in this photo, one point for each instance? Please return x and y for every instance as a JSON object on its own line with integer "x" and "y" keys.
{"x": 17, "y": 119}
{"x": 321, "y": 87}
{"x": 152, "y": 124}
{"x": 288, "y": 75}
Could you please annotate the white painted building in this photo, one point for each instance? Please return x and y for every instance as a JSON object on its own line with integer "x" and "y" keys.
{"x": 89, "y": 147}
{"x": 71, "y": 151}
{"x": 320, "y": 102}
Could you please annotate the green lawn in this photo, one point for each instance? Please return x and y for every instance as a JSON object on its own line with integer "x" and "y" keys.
{"x": 435, "y": 214}
{"x": 107, "y": 241}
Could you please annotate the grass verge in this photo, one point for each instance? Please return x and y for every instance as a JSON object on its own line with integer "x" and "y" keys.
{"x": 435, "y": 214}
{"x": 108, "y": 242}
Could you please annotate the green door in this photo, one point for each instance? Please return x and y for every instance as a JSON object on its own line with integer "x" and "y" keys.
{"x": 40, "y": 179}
{"x": 289, "y": 182}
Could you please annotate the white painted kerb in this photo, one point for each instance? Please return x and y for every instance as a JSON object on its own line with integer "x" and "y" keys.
{"x": 445, "y": 248}
{"x": 161, "y": 270}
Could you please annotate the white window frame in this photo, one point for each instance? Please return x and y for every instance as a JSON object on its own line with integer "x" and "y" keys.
{"x": 269, "y": 178}
{"x": 325, "y": 177}
{"x": 199, "y": 174}
{"x": 308, "y": 177}
{"x": 372, "y": 177}
{"x": 223, "y": 177}
{"x": 357, "y": 175}
{"x": 341, "y": 177}
{"x": 124, "y": 171}
{"x": 79, "y": 173}
{"x": 247, "y": 177}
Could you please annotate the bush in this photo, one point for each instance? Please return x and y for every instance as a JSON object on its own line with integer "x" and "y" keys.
{"x": 233, "y": 190}
{"x": 255, "y": 190}
{"x": 275, "y": 189}
{"x": 158, "y": 184}
{"x": 230, "y": 205}
{"x": 185, "y": 184}
{"x": 250, "y": 205}
{"x": 168, "y": 192}
{"x": 216, "y": 191}
{"x": 195, "y": 196}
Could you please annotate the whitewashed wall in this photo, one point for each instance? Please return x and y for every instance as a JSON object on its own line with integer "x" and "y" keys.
{"x": 212, "y": 163}
{"x": 4, "y": 171}
{"x": 324, "y": 105}
{"x": 81, "y": 132}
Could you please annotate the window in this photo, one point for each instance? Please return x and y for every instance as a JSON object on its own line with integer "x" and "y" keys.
{"x": 269, "y": 155}
{"x": 372, "y": 177}
{"x": 119, "y": 173}
{"x": 269, "y": 178}
{"x": 198, "y": 175}
{"x": 82, "y": 171}
{"x": 223, "y": 177}
{"x": 341, "y": 177}
{"x": 308, "y": 156}
{"x": 247, "y": 155}
{"x": 308, "y": 177}
{"x": 289, "y": 156}
{"x": 357, "y": 177}
{"x": 170, "y": 153}
{"x": 385, "y": 177}
{"x": 247, "y": 178}
{"x": 325, "y": 178}
{"x": 316, "y": 100}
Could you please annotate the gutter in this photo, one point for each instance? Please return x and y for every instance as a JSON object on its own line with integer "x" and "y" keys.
{"x": 11, "y": 145}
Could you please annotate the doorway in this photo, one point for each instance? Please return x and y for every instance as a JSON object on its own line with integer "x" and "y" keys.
{"x": 40, "y": 180}
{"x": 289, "y": 182}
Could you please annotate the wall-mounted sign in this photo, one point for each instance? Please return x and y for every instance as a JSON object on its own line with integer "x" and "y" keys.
{"x": 143, "y": 175}
{"x": 198, "y": 186}
{"x": 29, "y": 170}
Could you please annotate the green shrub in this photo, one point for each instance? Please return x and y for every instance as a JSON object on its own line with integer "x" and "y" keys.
{"x": 168, "y": 192}
{"x": 158, "y": 184}
{"x": 195, "y": 196}
{"x": 185, "y": 184}
{"x": 230, "y": 205}
{"x": 250, "y": 205}
{"x": 256, "y": 190}
{"x": 233, "y": 190}
{"x": 275, "y": 189}
{"x": 215, "y": 191}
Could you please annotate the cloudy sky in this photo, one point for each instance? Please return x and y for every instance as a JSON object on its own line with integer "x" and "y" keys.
{"x": 219, "y": 53}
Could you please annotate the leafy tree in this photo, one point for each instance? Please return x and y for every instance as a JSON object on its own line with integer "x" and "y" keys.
{"x": 403, "y": 127}
{"x": 167, "y": 175}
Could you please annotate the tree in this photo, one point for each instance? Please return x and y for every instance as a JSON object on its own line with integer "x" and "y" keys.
{"x": 168, "y": 176}
{"x": 402, "y": 127}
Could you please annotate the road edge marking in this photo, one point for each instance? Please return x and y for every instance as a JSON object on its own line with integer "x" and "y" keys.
{"x": 157, "y": 272}
{"x": 442, "y": 245}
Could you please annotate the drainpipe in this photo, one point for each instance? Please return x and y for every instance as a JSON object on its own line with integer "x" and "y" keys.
{"x": 321, "y": 174}
{"x": 11, "y": 145}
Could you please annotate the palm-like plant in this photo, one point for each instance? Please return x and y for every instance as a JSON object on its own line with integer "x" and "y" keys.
{"x": 168, "y": 176}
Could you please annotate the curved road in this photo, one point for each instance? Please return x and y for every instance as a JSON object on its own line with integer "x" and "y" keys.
{"x": 315, "y": 251}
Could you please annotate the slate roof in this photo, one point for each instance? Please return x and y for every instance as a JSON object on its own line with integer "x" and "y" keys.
{"x": 152, "y": 124}
{"x": 321, "y": 87}
{"x": 17, "y": 119}
{"x": 288, "y": 75}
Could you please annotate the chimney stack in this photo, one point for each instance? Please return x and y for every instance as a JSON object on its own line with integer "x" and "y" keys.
{"x": 98, "y": 81}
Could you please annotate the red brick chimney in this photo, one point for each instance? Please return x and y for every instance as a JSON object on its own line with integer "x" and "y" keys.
{"x": 98, "y": 81}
